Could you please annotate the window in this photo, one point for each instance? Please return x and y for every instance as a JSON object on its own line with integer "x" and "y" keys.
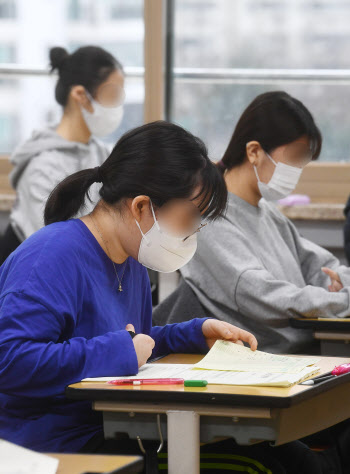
{"x": 7, "y": 9}
{"x": 7, "y": 53}
{"x": 27, "y": 98}
{"x": 227, "y": 52}
{"x": 7, "y": 126}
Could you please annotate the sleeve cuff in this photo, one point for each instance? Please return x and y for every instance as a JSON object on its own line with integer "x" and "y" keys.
{"x": 201, "y": 341}
{"x": 112, "y": 354}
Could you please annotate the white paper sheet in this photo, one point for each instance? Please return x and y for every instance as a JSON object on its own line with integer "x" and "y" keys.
{"x": 226, "y": 355}
{"x": 187, "y": 372}
{"x": 17, "y": 460}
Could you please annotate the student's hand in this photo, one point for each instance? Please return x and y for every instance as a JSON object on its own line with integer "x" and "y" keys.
{"x": 143, "y": 345}
{"x": 336, "y": 283}
{"x": 214, "y": 330}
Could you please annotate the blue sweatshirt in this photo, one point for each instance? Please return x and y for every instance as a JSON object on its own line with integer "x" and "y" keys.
{"x": 62, "y": 319}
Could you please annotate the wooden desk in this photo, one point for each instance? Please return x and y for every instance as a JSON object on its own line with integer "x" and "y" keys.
{"x": 191, "y": 415}
{"x": 81, "y": 463}
{"x": 333, "y": 334}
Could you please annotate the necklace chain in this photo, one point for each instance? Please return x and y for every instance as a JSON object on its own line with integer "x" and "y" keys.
{"x": 120, "y": 288}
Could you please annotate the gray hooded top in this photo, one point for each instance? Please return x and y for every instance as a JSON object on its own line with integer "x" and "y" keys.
{"x": 39, "y": 165}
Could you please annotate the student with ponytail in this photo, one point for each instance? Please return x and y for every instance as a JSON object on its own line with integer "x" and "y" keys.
{"x": 90, "y": 89}
{"x": 71, "y": 292}
{"x": 253, "y": 268}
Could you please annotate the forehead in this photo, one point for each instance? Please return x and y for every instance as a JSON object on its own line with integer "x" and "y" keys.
{"x": 115, "y": 77}
{"x": 303, "y": 140}
{"x": 181, "y": 206}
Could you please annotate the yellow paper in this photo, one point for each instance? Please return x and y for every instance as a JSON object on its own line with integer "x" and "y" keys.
{"x": 226, "y": 355}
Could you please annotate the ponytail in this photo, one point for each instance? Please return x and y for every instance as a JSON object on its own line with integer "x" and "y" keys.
{"x": 69, "y": 196}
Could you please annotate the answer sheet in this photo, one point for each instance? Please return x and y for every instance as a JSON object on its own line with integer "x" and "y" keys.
{"x": 226, "y": 355}
{"x": 220, "y": 377}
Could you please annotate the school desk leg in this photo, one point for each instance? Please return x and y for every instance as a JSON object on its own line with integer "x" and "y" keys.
{"x": 183, "y": 442}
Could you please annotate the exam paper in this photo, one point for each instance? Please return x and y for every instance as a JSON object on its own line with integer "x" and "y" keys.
{"x": 225, "y": 355}
{"x": 220, "y": 377}
{"x": 17, "y": 460}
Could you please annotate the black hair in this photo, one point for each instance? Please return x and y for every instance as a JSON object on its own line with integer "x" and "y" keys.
{"x": 160, "y": 160}
{"x": 273, "y": 119}
{"x": 88, "y": 66}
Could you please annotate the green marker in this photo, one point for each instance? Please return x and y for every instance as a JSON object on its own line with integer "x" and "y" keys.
{"x": 195, "y": 383}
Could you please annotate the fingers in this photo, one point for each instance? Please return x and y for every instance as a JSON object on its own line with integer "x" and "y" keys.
{"x": 249, "y": 338}
{"x": 336, "y": 286}
{"x": 152, "y": 342}
{"x": 331, "y": 273}
{"x": 143, "y": 345}
{"x": 130, "y": 327}
{"x": 235, "y": 334}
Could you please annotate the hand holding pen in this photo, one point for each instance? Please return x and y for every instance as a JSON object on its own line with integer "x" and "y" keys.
{"x": 143, "y": 345}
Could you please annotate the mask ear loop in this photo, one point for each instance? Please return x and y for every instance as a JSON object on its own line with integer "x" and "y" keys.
{"x": 256, "y": 174}
{"x": 154, "y": 216}
{"x": 256, "y": 171}
{"x": 155, "y": 221}
{"x": 270, "y": 157}
{"x": 91, "y": 99}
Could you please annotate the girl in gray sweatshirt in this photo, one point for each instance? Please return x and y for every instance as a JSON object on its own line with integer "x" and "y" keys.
{"x": 252, "y": 267}
{"x": 90, "y": 89}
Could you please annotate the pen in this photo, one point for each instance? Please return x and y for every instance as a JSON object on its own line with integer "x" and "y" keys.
{"x": 317, "y": 380}
{"x": 147, "y": 382}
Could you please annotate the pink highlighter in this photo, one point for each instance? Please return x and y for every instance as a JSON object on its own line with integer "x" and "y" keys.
{"x": 341, "y": 369}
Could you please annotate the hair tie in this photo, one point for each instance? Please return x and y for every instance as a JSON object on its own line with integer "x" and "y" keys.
{"x": 221, "y": 165}
{"x": 98, "y": 174}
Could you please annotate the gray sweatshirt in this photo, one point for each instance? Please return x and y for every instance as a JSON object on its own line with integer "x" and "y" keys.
{"x": 39, "y": 165}
{"x": 254, "y": 270}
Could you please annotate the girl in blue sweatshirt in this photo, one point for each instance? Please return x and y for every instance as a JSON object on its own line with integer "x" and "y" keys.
{"x": 71, "y": 292}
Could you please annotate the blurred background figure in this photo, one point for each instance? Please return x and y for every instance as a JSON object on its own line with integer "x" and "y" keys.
{"x": 90, "y": 89}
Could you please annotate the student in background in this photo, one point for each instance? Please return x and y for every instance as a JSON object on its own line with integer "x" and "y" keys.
{"x": 252, "y": 267}
{"x": 90, "y": 89}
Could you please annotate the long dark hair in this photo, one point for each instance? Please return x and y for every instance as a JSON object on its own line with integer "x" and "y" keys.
{"x": 88, "y": 66}
{"x": 273, "y": 119}
{"x": 160, "y": 160}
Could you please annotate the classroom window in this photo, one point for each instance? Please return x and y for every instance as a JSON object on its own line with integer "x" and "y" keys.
{"x": 7, "y": 9}
{"x": 28, "y": 97}
{"x": 7, "y": 53}
{"x": 227, "y": 52}
{"x": 7, "y": 130}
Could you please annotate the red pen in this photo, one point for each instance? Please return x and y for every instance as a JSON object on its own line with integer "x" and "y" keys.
{"x": 147, "y": 382}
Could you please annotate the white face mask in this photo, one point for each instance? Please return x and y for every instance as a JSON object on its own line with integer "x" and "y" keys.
{"x": 163, "y": 252}
{"x": 103, "y": 120}
{"x": 282, "y": 183}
